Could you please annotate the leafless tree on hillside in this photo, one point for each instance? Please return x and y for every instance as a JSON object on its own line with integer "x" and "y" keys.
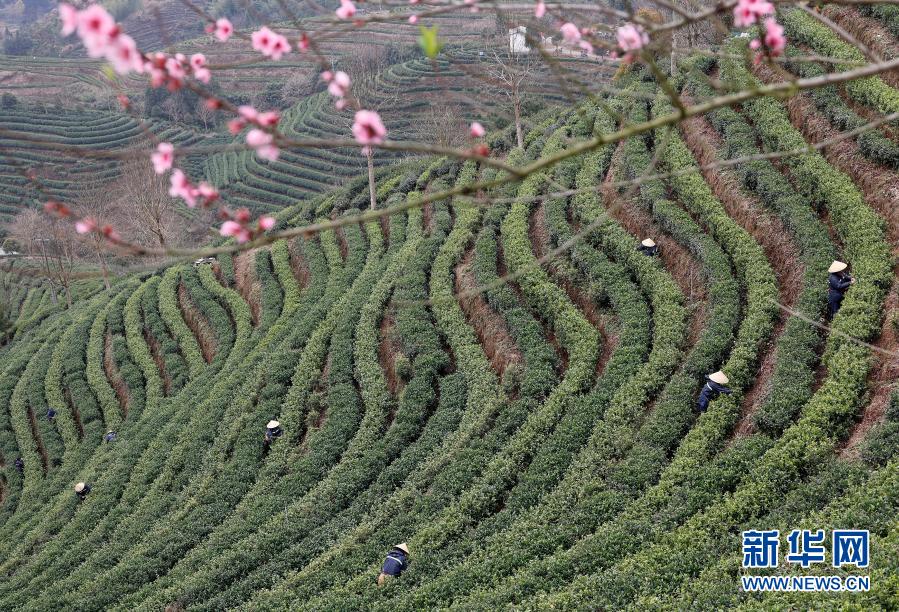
{"x": 52, "y": 242}
{"x": 510, "y": 75}
{"x": 148, "y": 212}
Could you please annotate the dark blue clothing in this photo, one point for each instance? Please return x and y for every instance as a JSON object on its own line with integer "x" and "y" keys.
{"x": 84, "y": 492}
{"x": 395, "y": 563}
{"x": 839, "y": 283}
{"x": 110, "y": 437}
{"x": 51, "y": 414}
{"x": 20, "y": 465}
{"x": 710, "y": 392}
{"x": 649, "y": 251}
{"x": 271, "y": 434}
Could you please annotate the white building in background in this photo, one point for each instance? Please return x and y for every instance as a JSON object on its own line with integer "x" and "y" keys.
{"x": 518, "y": 42}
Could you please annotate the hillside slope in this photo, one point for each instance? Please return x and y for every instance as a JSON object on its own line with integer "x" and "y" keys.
{"x": 536, "y": 442}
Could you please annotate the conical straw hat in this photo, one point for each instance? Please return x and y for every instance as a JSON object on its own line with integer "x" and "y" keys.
{"x": 79, "y": 487}
{"x": 648, "y": 243}
{"x": 719, "y": 377}
{"x": 837, "y": 266}
{"x": 403, "y": 547}
{"x": 272, "y": 424}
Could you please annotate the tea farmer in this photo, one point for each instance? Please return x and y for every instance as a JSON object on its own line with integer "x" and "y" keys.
{"x": 649, "y": 248}
{"x": 81, "y": 490}
{"x": 395, "y": 564}
{"x": 715, "y": 385}
{"x": 838, "y": 282}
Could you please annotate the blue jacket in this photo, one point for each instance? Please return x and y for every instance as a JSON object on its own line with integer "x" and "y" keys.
{"x": 839, "y": 283}
{"x": 271, "y": 434}
{"x": 710, "y": 392}
{"x": 395, "y": 563}
{"x": 649, "y": 251}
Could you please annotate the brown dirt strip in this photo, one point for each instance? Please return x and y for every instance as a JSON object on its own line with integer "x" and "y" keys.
{"x": 298, "y": 264}
{"x": 341, "y": 243}
{"x": 870, "y": 33}
{"x": 246, "y": 283}
{"x": 388, "y": 349}
{"x": 113, "y": 376}
{"x": 677, "y": 260}
{"x": 781, "y": 252}
{"x": 869, "y": 114}
{"x": 76, "y": 414}
{"x": 879, "y": 186}
{"x": 539, "y": 236}
{"x": 38, "y": 441}
{"x": 198, "y": 324}
{"x": 153, "y": 344}
{"x": 490, "y": 327}
{"x": 501, "y": 272}
{"x": 427, "y": 215}
{"x": 883, "y": 378}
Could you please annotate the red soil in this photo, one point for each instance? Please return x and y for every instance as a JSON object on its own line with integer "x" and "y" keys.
{"x": 783, "y": 255}
{"x": 870, "y": 33}
{"x": 197, "y": 323}
{"x": 246, "y": 283}
{"x": 539, "y": 236}
{"x": 883, "y": 377}
{"x": 490, "y": 327}
{"x": 678, "y": 261}
{"x": 298, "y": 263}
{"x": 388, "y": 349}
{"x": 113, "y": 376}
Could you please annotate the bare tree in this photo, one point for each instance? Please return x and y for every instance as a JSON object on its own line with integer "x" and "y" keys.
{"x": 443, "y": 126}
{"x": 52, "y": 242}
{"x": 95, "y": 204}
{"x": 147, "y": 212}
{"x": 364, "y": 68}
{"x": 510, "y": 74}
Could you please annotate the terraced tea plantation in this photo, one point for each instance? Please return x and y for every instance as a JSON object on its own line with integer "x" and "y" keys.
{"x": 534, "y": 441}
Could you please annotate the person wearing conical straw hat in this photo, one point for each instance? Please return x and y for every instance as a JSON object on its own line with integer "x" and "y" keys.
{"x": 395, "y": 564}
{"x": 838, "y": 282}
{"x": 110, "y": 436}
{"x": 715, "y": 385}
{"x": 81, "y": 490}
{"x": 649, "y": 248}
{"x": 272, "y": 432}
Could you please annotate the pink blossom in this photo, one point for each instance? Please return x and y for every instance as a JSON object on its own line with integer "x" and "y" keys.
{"x": 414, "y": 1}
{"x": 197, "y": 60}
{"x": 124, "y": 56}
{"x": 175, "y": 69}
{"x": 339, "y": 85}
{"x": 96, "y": 23}
{"x": 223, "y": 29}
{"x": 163, "y": 157}
{"x": 69, "y": 16}
{"x": 266, "y": 223}
{"x": 340, "y": 104}
{"x": 262, "y": 40}
{"x": 202, "y": 74}
{"x": 746, "y": 12}
{"x": 236, "y": 125}
{"x": 85, "y": 226}
{"x": 180, "y": 187}
{"x": 540, "y": 9}
{"x": 303, "y": 43}
{"x": 347, "y": 9}
{"x": 368, "y": 128}
{"x": 413, "y": 19}
{"x": 262, "y": 142}
{"x": 247, "y": 112}
{"x": 235, "y": 230}
{"x": 279, "y": 47}
{"x": 268, "y": 118}
{"x": 631, "y": 37}
{"x": 774, "y": 36}
{"x": 477, "y": 130}
{"x": 570, "y": 32}
{"x": 327, "y": 75}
